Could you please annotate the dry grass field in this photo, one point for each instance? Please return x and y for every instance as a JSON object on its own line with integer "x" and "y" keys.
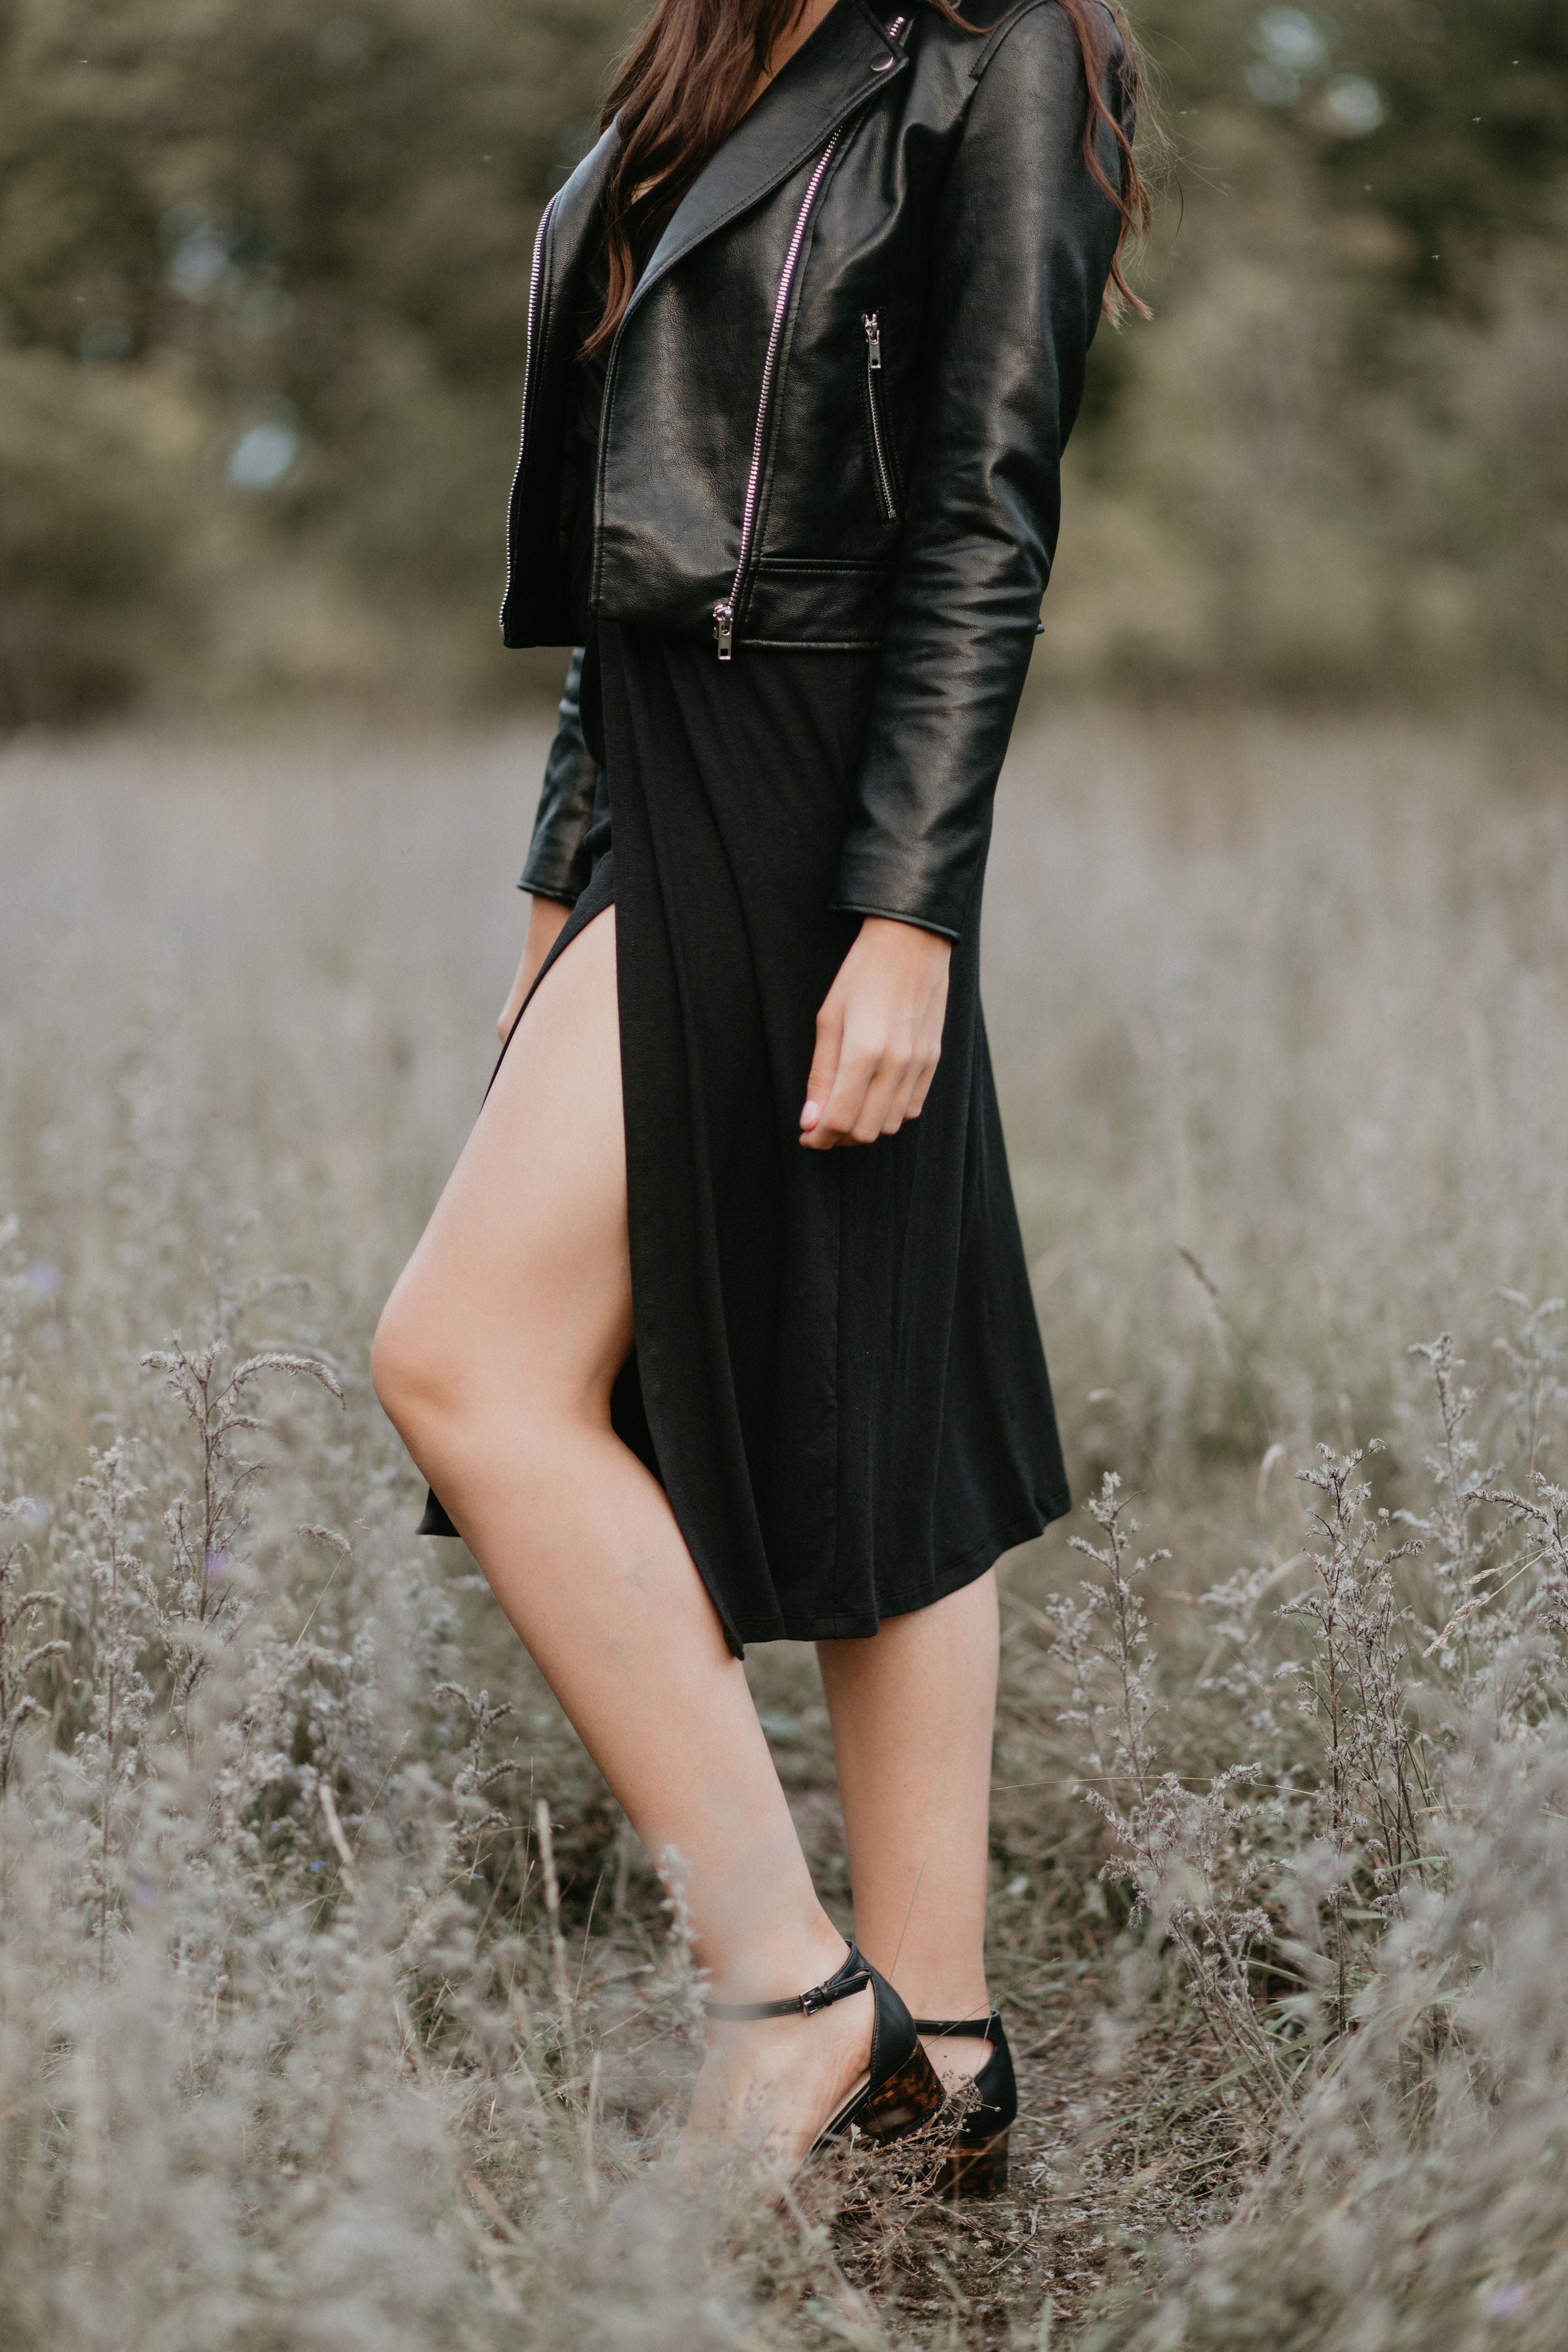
{"x": 336, "y": 2005}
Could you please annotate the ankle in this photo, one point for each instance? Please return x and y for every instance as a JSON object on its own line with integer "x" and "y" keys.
{"x": 939, "y": 1992}
{"x": 799, "y": 1955}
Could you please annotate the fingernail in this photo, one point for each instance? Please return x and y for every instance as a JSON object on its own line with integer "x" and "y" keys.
{"x": 810, "y": 1115}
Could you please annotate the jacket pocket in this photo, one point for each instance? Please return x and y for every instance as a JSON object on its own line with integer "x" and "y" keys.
{"x": 883, "y": 465}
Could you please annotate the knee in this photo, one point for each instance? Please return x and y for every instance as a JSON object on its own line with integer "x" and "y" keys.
{"x": 454, "y": 1403}
{"x": 415, "y": 1386}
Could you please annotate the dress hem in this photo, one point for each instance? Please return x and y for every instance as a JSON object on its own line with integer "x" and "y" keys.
{"x": 967, "y": 1569}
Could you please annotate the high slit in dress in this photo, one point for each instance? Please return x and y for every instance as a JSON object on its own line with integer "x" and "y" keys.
{"x": 837, "y": 1371}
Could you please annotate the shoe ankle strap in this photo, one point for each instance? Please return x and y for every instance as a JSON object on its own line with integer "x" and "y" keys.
{"x": 965, "y": 2028}
{"x": 854, "y": 1976}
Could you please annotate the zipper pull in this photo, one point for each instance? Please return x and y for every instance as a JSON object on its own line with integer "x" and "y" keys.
{"x": 724, "y": 629}
{"x": 873, "y": 339}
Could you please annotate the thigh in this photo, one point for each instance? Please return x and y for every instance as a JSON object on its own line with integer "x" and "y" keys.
{"x": 523, "y": 1272}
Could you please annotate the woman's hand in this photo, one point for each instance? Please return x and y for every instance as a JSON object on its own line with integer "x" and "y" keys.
{"x": 879, "y": 1035}
{"x": 546, "y": 920}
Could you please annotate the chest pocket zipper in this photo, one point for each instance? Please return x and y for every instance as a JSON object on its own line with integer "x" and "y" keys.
{"x": 882, "y": 447}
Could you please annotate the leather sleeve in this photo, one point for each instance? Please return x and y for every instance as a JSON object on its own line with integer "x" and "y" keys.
{"x": 557, "y": 864}
{"x": 1025, "y": 242}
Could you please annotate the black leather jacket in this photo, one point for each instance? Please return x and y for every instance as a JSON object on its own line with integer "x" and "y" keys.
{"x": 835, "y": 412}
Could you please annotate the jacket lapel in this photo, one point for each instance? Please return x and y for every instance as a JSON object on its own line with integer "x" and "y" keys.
{"x": 830, "y": 75}
{"x": 574, "y": 208}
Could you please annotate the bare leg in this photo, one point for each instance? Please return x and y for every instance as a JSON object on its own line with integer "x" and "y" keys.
{"x": 495, "y": 1358}
{"x": 913, "y": 1710}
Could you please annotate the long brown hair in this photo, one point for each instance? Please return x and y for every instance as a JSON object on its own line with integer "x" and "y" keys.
{"x": 693, "y": 69}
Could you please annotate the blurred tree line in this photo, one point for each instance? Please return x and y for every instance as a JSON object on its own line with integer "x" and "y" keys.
{"x": 262, "y": 283}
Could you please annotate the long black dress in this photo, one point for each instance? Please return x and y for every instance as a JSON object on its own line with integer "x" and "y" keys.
{"x": 838, "y": 1372}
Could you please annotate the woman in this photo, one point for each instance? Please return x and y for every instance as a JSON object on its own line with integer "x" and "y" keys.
{"x": 721, "y": 1330}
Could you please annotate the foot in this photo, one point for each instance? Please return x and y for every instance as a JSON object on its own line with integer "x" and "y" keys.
{"x": 957, "y": 2060}
{"x": 769, "y": 2088}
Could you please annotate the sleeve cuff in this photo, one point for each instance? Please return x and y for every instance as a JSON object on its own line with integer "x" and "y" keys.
{"x": 877, "y": 876}
{"x": 893, "y": 915}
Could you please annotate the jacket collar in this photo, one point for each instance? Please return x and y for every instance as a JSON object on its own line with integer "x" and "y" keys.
{"x": 842, "y": 64}
{"x": 574, "y": 209}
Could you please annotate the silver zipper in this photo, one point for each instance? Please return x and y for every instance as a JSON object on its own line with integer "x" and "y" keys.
{"x": 536, "y": 277}
{"x": 724, "y": 610}
{"x": 872, "y": 326}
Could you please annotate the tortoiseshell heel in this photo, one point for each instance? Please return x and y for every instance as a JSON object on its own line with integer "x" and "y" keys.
{"x": 904, "y": 2101}
{"x": 965, "y": 2172}
{"x": 902, "y": 2091}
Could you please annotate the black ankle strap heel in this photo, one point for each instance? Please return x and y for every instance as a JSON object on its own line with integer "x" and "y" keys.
{"x": 902, "y": 2090}
{"x": 976, "y": 2163}
{"x": 853, "y": 1976}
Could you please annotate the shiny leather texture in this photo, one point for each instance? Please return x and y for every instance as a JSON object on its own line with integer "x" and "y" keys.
{"x": 558, "y": 857}
{"x": 900, "y": 179}
{"x": 995, "y": 2087}
{"x": 902, "y": 2091}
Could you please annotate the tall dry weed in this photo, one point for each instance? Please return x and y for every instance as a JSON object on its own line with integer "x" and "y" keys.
{"x": 336, "y": 2004}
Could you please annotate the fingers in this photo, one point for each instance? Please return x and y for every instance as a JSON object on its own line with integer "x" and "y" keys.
{"x": 847, "y": 1112}
{"x": 825, "y": 1061}
{"x": 908, "y": 1095}
{"x": 878, "y": 1083}
{"x": 546, "y": 919}
{"x": 513, "y": 1004}
{"x": 516, "y": 995}
{"x": 920, "y": 1087}
{"x": 878, "y": 1037}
